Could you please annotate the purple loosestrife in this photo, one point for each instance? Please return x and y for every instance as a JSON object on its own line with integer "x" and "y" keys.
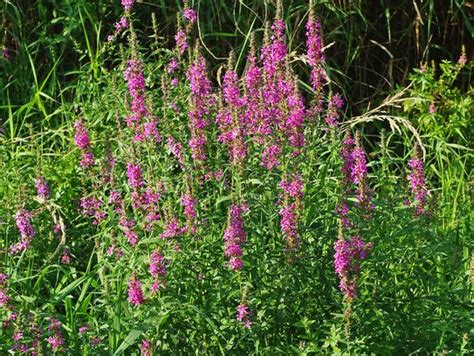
{"x": 127, "y": 4}
{"x": 181, "y": 42}
{"x": 316, "y": 58}
{"x": 42, "y": 189}
{"x": 290, "y": 210}
{"x": 418, "y": 184}
{"x": 56, "y": 339}
{"x": 177, "y": 150}
{"x": 293, "y": 125}
{"x": 231, "y": 120}
{"x": 200, "y": 86}
{"x": 121, "y": 25}
{"x": 189, "y": 204}
{"x": 335, "y": 103}
{"x": 134, "y": 175}
{"x": 4, "y": 298}
{"x": 289, "y": 225}
{"x": 235, "y": 236}
{"x": 91, "y": 206}
{"x": 136, "y": 88}
{"x": 173, "y": 66}
{"x": 27, "y": 232}
{"x": 190, "y": 15}
{"x": 347, "y": 258}
{"x": 243, "y": 315}
{"x": 66, "y": 257}
{"x": 271, "y": 156}
{"x": 157, "y": 269}
{"x": 253, "y": 112}
{"x": 274, "y": 53}
{"x": 359, "y": 177}
{"x": 172, "y": 229}
{"x": 293, "y": 187}
{"x": 135, "y": 294}
{"x": 146, "y": 348}
{"x": 81, "y": 138}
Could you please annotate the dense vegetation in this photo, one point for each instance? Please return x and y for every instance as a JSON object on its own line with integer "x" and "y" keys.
{"x": 284, "y": 177}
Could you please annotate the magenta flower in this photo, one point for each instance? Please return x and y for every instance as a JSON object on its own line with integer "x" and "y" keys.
{"x": 271, "y": 156}
{"x": 172, "y": 229}
{"x": 293, "y": 187}
{"x": 335, "y": 103}
{"x": 157, "y": 264}
{"x": 136, "y": 88}
{"x": 190, "y": 15}
{"x": 289, "y": 225}
{"x": 127, "y": 4}
{"x": 189, "y": 204}
{"x": 173, "y": 66}
{"x": 4, "y": 298}
{"x": 81, "y": 137}
{"x": 42, "y": 189}
{"x": 235, "y": 236}
{"x": 418, "y": 184}
{"x": 66, "y": 257}
{"x": 347, "y": 257}
{"x": 316, "y": 58}
{"x": 27, "y": 232}
{"x": 121, "y": 24}
{"x": 157, "y": 269}
{"x": 181, "y": 42}
{"x": 243, "y": 315}
{"x": 56, "y": 340}
{"x": 146, "y": 347}
{"x": 176, "y": 149}
{"x": 135, "y": 294}
{"x": 200, "y": 86}
{"x": 134, "y": 175}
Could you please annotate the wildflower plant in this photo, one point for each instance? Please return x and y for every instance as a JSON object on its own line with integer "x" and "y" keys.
{"x": 222, "y": 210}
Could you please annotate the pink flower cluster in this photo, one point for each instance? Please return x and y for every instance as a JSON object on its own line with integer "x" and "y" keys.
{"x": 316, "y": 59}
{"x": 4, "y": 297}
{"x": 42, "y": 189}
{"x": 56, "y": 339}
{"x": 244, "y": 315}
{"x": 190, "y": 15}
{"x": 200, "y": 86}
{"x": 235, "y": 236}
{"x": 354, "y": 170}
{"x": 172, "y": 229}
{"x": 181, "y": 42}
{"x": 127, "y": 4}
{"x": 135, "y": 293}
{"x": 157, "y": 270}
{"x": 177, "y": 150}
{"x": 189, "y": 204}
{"x": 146, "y": 348}
{"x": 136, "y": 88}
{"x": 27, "y": 232}
{"x": 92, "y": 207}
{"x": 81, "y": 138}
{"x": 347, "y": 257}
{"x": 418, "y": 184}
{"x": 289, "y": 212}
{"x": 335, "y": 103}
